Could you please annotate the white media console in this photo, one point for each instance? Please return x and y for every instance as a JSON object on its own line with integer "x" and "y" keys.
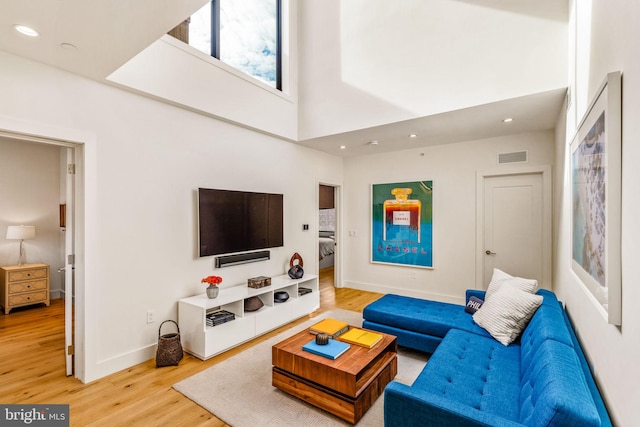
{"x": 205, "y": 341}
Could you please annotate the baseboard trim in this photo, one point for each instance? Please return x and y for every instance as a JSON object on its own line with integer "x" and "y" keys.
{"x": 120, "y": 362}
{"x": 405, "y": 292}
{"x": 56, "y": 294}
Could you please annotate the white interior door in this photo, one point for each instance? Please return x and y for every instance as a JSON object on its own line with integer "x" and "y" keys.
{"x": 516, "y": 227}
{"x": 69, "y": 261}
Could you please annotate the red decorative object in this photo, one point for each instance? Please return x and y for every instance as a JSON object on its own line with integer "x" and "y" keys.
{"x": 212, "y": 280}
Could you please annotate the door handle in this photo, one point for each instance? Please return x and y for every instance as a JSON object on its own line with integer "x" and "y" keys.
{"x": 488, "y": 252}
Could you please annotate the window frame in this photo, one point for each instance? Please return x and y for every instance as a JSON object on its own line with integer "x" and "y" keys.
{"x": 215, "y": 38}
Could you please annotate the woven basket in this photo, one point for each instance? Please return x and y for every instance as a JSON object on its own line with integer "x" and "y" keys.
{"x": 169, "y": 351}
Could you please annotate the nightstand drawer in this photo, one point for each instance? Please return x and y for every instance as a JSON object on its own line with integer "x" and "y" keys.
{"x": 32, "y": 285}
{"x": 28, "y": 298}
{"x": 33, "y": 273}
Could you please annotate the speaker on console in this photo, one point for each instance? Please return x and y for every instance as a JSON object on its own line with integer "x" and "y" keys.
{"x": 229, "y": 260}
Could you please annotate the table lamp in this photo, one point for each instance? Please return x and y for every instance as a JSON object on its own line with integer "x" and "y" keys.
{"x": 22, "y": 233}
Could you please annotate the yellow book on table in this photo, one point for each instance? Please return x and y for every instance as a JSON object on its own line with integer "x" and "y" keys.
{"x": 331, "y": 327}
{"x": 361, "y": 337}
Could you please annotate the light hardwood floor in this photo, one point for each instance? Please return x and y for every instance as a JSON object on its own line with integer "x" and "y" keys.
{"x": 32, "y": 370}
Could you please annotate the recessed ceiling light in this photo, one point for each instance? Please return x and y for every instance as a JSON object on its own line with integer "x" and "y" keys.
{"x": 374, "y": 142}
{"x": 507, "y": 120}
{"x": 343, "y": 147}
{"x": 27, "y": 31}
{"x": 413, "y": 135}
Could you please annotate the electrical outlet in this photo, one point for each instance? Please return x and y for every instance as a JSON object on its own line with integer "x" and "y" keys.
{"x": 413, "y": 275}
{"x": 150, "y": 316}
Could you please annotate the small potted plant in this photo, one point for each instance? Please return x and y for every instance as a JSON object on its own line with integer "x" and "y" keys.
{"x": 213, "y": 282}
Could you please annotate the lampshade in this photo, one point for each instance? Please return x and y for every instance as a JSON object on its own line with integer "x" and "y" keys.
{"x": 21, "y": 232}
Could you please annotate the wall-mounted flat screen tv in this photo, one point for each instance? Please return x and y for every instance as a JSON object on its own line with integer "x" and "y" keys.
{"x": 238, "y": 221}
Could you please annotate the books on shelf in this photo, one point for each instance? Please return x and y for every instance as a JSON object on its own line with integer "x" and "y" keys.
{"x": 331, "y": 350}
{"x": 361, "y": 337}
{"x": 331, "y": 327}
{"x": 219, "y": 317}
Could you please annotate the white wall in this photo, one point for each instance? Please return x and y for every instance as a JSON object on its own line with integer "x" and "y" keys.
{"x": 606, "y": 35}
{"x": 144, "y": 161}
{"x": 452, "y": 167}
{"x": 369, "y": 62}
{"x": 180, "y": 74}
{"x": 30, "y": 193}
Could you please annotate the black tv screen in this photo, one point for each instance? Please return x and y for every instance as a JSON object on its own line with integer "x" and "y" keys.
{"x": 238, "y": 221}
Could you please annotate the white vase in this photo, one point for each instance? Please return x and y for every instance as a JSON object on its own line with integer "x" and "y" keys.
{"x": 212, "y": 291}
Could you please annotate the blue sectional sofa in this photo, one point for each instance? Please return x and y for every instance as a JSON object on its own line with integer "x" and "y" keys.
{"x": 471, "y": 379}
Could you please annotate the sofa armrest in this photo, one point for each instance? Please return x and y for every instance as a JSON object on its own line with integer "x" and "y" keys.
{"x": 406, "y": 406}
{"x": 475, "y": 293}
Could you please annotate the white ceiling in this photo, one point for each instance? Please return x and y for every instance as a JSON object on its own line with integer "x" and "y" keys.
{"x": 530, "y": 113}
{"x": 105, "y": 34}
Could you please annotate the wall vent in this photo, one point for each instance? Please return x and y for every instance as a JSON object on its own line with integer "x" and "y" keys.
{"x": 515, "y": 157}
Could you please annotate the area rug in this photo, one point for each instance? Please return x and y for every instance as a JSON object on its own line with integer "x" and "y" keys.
{"x": 239, "y": 391}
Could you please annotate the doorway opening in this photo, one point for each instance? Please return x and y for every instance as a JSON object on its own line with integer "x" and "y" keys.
{"x": 328, "y": 235}
{"x": 57, "y": 216}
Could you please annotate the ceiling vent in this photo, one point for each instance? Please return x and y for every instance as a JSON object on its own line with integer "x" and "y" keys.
{"x": 515, "y": 157}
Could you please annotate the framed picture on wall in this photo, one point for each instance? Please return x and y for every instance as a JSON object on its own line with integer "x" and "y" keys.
{"x": 596, "y": 158}
{"x": 402, "y": 223}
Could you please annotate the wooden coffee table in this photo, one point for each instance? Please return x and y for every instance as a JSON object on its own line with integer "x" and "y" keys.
{"x": 345, "y": 387}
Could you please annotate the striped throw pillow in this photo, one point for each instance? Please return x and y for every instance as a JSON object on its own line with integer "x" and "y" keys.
{"x": 500, "y": 279}
{"x": 507, "y": 313}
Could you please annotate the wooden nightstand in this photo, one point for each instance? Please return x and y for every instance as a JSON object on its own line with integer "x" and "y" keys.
{"x": 23, "y": 285}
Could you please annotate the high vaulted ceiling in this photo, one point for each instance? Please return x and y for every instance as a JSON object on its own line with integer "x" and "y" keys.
{"x": 94, "y": 38}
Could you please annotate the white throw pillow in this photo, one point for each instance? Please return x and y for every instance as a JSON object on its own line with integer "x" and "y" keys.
{"x": 500, "y": 279}
{"x": 507, "y": 313}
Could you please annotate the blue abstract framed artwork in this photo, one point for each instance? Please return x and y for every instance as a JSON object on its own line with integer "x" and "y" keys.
{"x": 402, "y": 223}
{"x": 596, "y": 157}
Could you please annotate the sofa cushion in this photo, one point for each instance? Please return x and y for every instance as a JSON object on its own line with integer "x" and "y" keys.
{"x": 507, "y": 312}
{"x": 406, "y": 338}
{"x": 546, "y": 323}
{"x": 500, "y": 279}
{"x": 418, "y": 315}
{"x": 554, "y": 391}
{"x": 475, "y": 371}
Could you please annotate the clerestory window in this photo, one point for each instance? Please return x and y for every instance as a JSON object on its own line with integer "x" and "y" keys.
{"x": 245, "y": 34}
